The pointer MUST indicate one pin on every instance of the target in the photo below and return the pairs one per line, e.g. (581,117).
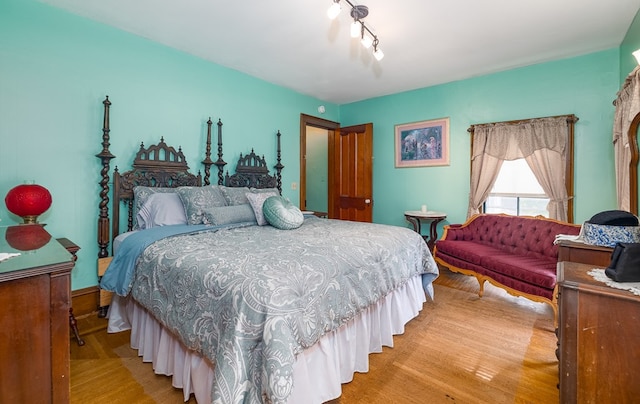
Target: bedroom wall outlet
(294,185)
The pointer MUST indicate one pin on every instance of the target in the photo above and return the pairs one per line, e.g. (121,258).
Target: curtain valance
(520,139)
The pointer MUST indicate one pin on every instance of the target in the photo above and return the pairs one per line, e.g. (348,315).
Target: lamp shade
(28,201)
(366,41)
(334,10)
(355,29)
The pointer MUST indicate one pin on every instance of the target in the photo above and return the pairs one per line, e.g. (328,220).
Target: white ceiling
(293,43)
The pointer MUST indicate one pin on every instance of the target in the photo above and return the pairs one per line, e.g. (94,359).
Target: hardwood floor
(460,349)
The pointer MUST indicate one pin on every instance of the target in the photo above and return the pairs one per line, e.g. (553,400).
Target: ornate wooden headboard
(155,166)
(251,172)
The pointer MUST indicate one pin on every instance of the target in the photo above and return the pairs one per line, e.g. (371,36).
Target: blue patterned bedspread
(250,298)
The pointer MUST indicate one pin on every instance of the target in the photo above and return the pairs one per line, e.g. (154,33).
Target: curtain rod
(570,118)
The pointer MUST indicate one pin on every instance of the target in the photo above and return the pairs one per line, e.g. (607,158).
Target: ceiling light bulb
(378,54)
(334,10)
(636,54)
(355,29)
(366,41)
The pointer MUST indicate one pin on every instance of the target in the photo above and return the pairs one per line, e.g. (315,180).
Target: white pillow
(256,201)
(141,194)
(161,209)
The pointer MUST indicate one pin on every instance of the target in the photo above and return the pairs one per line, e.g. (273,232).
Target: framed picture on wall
(422,144)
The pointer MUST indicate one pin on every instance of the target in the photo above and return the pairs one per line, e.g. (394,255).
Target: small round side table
(416,216)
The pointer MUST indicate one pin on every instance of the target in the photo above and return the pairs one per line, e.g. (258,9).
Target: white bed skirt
(318,372)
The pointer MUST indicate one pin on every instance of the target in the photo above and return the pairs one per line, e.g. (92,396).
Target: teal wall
(584,86)
(56,68)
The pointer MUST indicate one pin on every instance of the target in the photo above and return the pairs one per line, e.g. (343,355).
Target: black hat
(615,218)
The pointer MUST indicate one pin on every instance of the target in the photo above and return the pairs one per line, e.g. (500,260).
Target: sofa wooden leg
(481,283)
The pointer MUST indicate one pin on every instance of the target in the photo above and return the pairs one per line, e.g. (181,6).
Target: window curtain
(544,143)
(627,106)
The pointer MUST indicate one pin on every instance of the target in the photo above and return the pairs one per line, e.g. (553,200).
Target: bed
(249,302)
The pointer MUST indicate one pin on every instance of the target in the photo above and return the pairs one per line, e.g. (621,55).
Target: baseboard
(85,301)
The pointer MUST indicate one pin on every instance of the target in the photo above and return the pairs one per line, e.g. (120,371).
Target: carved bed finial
(220,163)
(279,165)
(207,162)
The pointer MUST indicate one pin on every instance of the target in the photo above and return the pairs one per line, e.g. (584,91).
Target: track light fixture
(358,27)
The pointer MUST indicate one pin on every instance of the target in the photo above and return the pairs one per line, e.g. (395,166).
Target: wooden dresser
(599,335)
(35,299)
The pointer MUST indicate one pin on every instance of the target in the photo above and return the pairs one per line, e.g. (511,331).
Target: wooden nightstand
(73,248)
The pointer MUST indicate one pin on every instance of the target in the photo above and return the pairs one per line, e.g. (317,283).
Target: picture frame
(422,144)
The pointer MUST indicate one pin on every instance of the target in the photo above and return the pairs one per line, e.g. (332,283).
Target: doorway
(314,163)
(344,165)
(317,169)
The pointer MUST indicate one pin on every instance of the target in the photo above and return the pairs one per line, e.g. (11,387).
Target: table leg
(417,227)
(433,233)
(74,326)
(415,222)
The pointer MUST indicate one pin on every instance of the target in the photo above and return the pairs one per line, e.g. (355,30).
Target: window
(547,143)
(517,192)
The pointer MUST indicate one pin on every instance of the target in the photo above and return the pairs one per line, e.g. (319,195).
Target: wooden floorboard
(460,349)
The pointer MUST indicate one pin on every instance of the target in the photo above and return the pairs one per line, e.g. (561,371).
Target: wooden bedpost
(207,155)
(104,238)
(279,165)
(220,163)
(105,157)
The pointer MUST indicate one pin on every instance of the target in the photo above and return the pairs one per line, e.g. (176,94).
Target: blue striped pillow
(281,213)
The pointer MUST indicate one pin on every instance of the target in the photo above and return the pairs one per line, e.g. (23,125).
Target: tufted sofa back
(520,235)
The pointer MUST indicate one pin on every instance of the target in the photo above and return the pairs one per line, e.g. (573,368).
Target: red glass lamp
(28,201)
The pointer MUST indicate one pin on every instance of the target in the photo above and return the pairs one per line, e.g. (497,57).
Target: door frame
(308,120)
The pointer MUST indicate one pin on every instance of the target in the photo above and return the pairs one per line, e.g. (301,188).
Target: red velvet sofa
(515,253)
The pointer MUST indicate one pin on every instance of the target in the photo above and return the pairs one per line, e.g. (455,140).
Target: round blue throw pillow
(281,213)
